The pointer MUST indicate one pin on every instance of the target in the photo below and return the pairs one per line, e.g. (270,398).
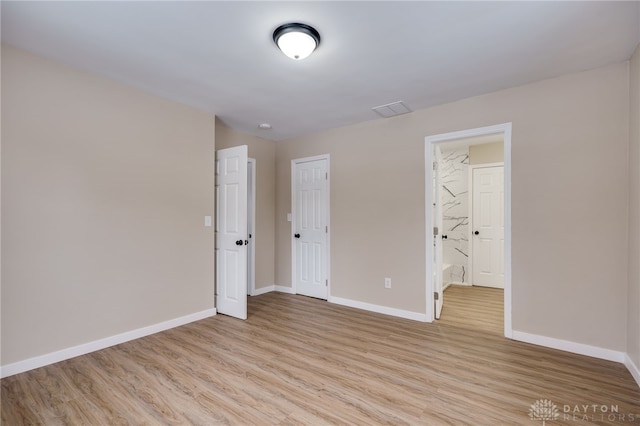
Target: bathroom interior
(458,160)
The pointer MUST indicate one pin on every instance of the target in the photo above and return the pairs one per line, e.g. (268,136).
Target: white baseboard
(458,283)
(85,348)
(416,316)
(355,304)
(283,289)
(565,345)
(633,369)
(263,290)
(270,288)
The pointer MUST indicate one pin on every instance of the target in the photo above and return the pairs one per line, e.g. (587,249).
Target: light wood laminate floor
(298,360)
(474,308)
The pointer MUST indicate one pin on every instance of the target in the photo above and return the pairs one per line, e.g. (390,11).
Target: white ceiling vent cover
(392,109)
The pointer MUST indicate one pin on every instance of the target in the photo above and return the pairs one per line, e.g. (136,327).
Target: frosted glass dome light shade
(297,41)
(296,45)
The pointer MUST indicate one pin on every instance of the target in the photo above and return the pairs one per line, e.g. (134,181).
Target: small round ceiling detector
(264,126)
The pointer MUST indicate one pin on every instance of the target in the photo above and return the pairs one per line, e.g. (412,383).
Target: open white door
(310,227)
(437,234)
(231,231)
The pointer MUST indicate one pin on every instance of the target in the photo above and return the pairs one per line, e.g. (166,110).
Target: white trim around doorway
(251,218)
(505,130)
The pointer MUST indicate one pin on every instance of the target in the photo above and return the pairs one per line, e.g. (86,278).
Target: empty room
(345,212)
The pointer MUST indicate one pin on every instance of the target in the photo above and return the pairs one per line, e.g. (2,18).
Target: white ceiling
(219,56)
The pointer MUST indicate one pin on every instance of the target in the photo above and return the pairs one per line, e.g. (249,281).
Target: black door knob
(444,237)
(239,242)
(297,235)
(246,242)
(477,232)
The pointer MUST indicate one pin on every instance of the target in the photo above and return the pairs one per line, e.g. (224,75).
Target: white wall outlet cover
(207,221)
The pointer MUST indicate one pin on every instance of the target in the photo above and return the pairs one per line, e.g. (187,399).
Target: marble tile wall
(454,175)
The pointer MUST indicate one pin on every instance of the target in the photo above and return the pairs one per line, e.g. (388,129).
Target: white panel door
(310,227)
(488,226)
(437,236)
(231,231)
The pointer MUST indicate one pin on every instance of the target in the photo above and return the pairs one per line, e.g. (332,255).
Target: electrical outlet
(387,283)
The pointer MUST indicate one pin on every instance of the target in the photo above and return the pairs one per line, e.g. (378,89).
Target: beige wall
(104,193)
(633,313)
(486,153)
(104,189)
(569,156)
(264,152)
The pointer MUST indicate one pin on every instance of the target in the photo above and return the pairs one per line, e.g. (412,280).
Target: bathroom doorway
(469,231)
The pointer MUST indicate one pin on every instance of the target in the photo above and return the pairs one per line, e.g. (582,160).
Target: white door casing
(251,226)
(487,228)
(231,231)
(310,223)
(437,237)
(505,130)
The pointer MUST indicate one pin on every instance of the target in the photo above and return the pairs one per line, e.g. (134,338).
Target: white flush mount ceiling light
(297,41)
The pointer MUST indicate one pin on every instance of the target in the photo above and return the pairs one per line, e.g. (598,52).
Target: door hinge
(436,231)
(326,175)
(436,296)
(326,282)
(326,229)
(435,165)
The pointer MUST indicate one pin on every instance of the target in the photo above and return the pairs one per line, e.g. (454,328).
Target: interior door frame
(295,162)
(505,130)
(438,221)
(251,219)
(472,167)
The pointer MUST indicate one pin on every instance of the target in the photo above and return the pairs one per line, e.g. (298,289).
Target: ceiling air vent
(392,109)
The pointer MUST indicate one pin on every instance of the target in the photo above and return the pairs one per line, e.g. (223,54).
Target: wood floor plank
(474,308)
(302,361)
